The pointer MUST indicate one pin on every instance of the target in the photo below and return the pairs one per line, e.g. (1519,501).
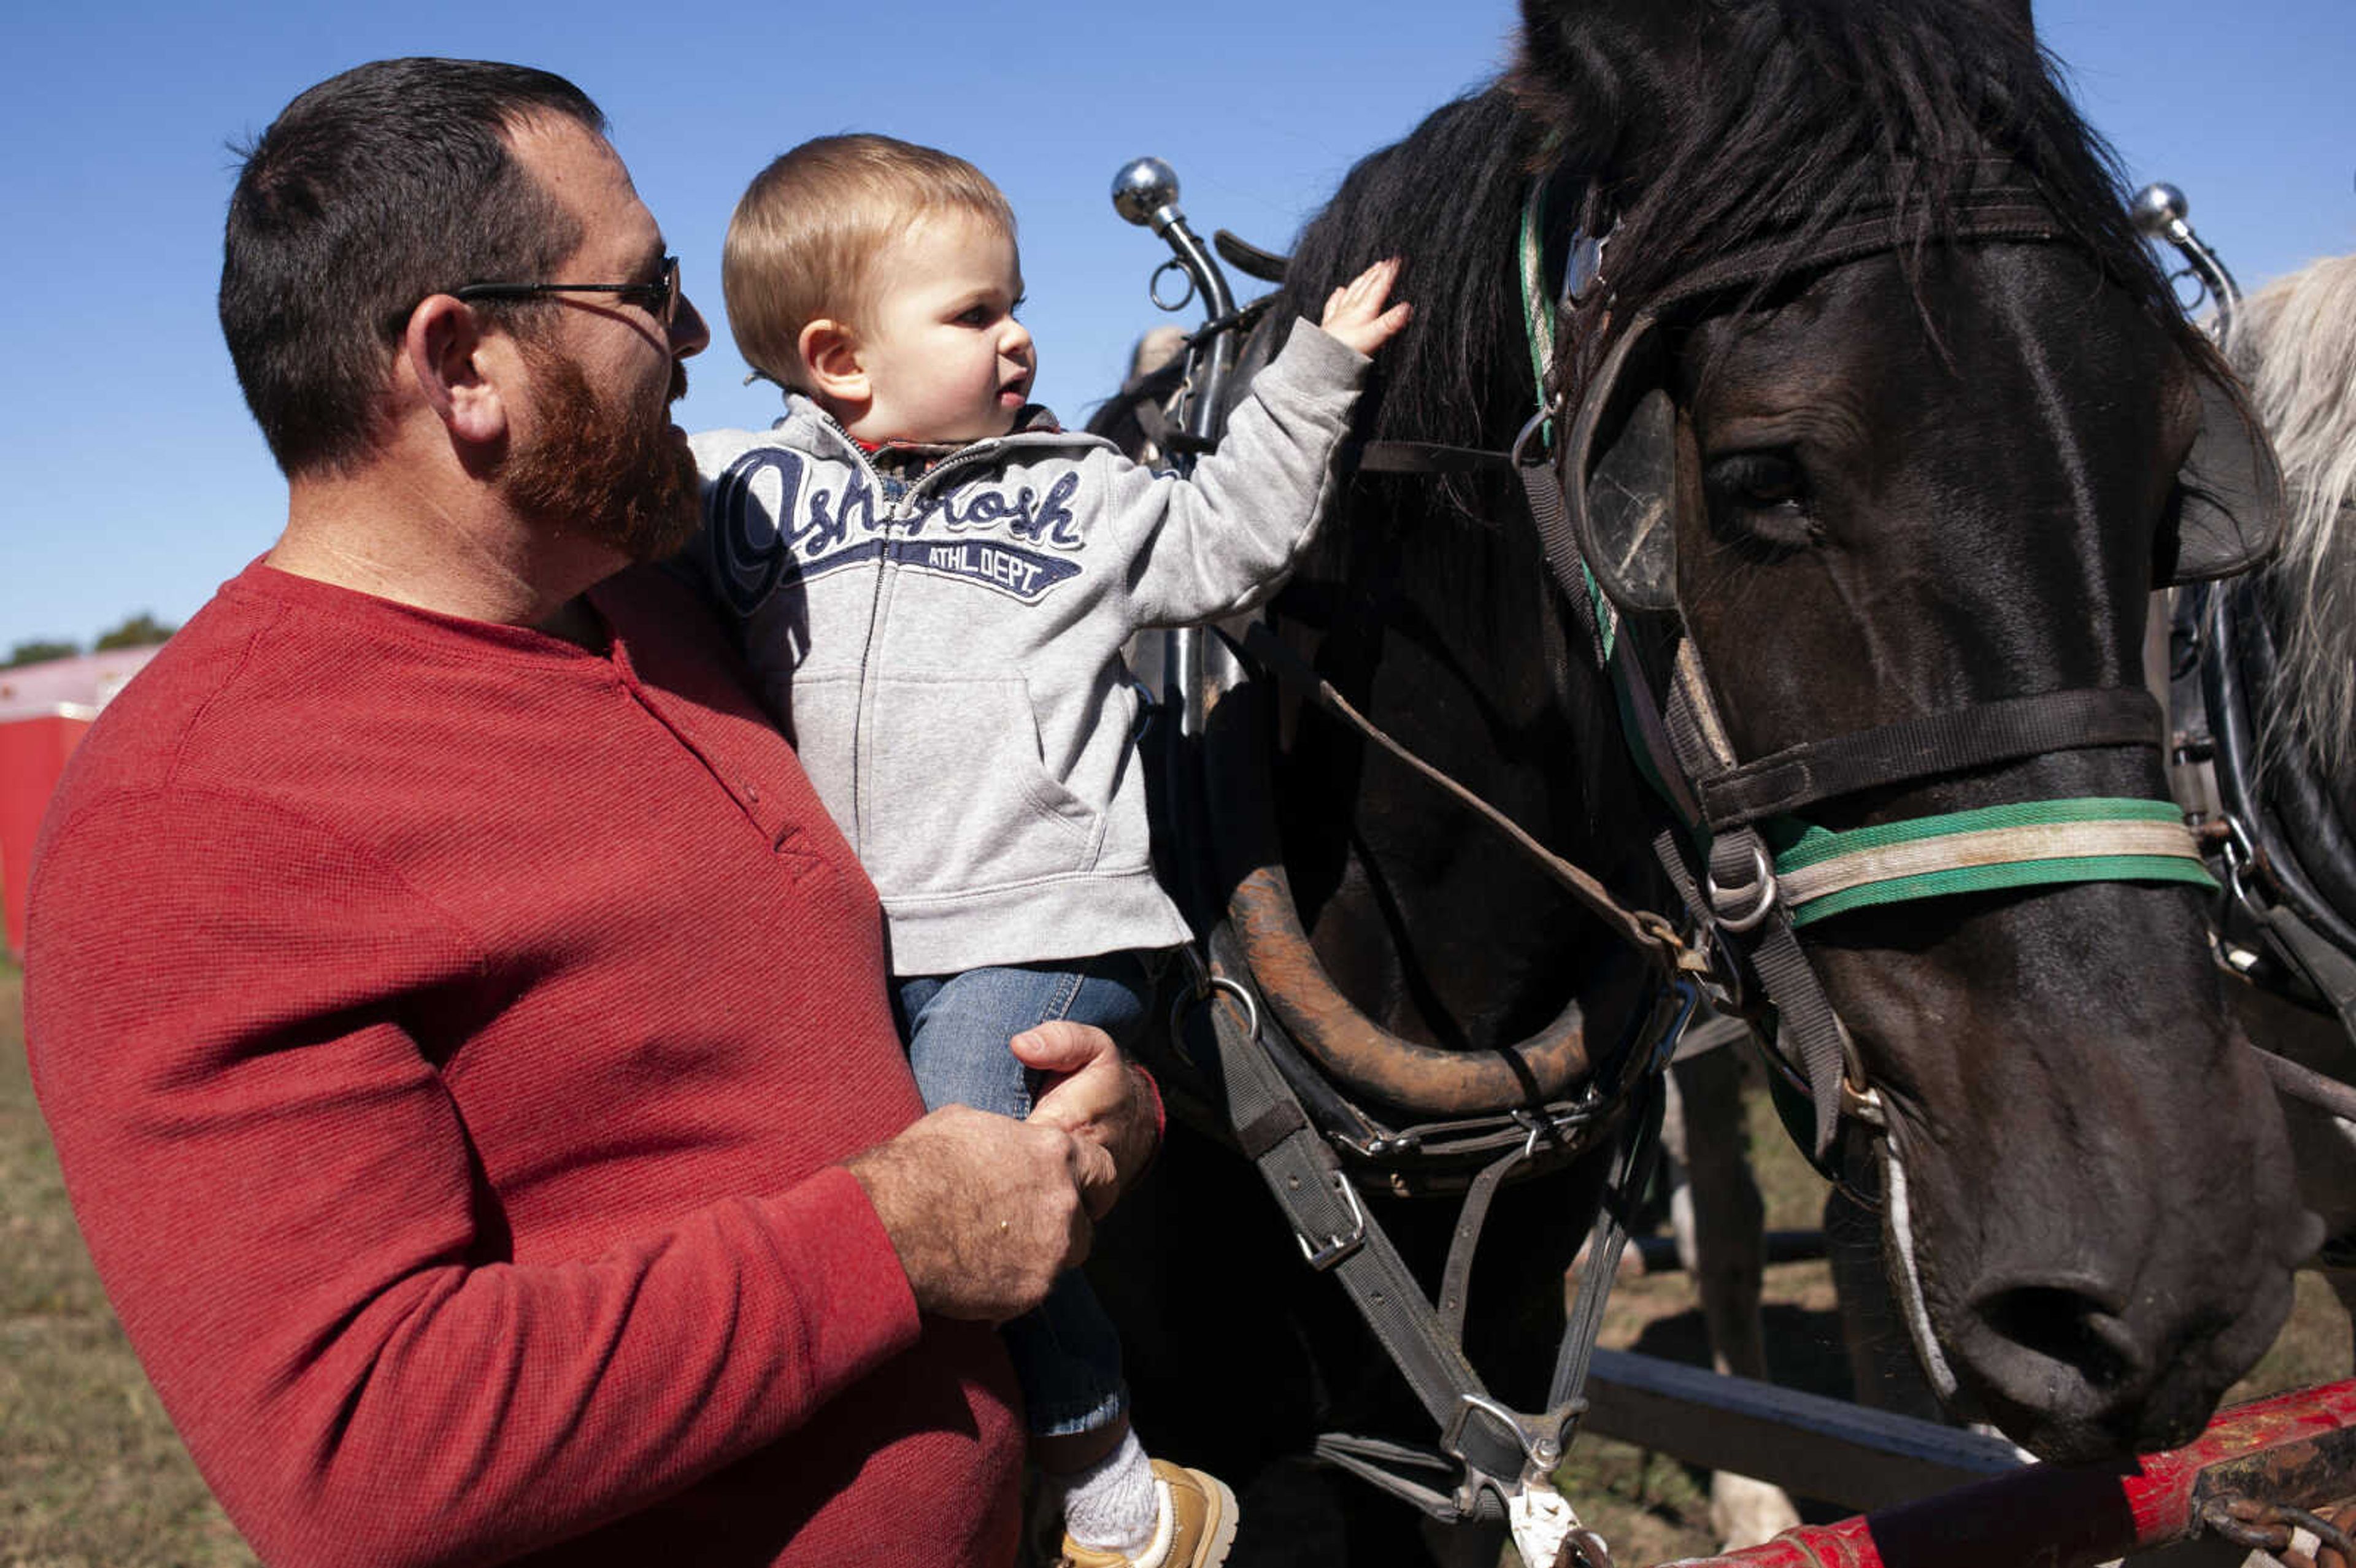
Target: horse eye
(1763,495)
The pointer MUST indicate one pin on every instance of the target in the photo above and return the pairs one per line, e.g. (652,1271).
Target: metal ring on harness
(1537,422)
(1242,994)
(1204,987)
(1863,1104)
(1153,285)
(1764,882)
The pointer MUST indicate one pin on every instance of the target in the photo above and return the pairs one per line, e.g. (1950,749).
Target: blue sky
(134,481)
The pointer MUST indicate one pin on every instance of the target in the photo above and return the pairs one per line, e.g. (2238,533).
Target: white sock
(1112,1506)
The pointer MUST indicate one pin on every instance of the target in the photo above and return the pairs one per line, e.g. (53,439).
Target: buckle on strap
(1509,1445)
(1323,1255)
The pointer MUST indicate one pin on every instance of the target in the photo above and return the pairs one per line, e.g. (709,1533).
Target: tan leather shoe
(1196,1530)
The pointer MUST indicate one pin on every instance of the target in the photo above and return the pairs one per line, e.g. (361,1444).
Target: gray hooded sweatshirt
(949,663)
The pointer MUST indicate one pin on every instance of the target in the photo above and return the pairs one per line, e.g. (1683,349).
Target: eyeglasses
(660,297)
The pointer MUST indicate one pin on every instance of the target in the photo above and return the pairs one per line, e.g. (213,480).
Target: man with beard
(463,1031)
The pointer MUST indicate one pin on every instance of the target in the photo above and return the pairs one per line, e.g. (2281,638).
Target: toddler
(933,581)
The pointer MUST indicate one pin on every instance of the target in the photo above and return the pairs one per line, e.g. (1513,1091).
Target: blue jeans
(1067,1354)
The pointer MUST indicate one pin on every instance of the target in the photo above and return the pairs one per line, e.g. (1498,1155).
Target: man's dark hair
(370,192)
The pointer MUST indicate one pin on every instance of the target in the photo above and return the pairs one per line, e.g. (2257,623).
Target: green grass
(92,1475)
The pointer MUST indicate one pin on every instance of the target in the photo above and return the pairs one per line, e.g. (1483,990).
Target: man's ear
(829,351)
(456,373)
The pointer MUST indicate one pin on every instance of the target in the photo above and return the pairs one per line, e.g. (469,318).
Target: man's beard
(596,474)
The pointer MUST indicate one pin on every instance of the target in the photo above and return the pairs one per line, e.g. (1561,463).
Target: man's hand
(1354,312)
(1104,1100)
(984,1210)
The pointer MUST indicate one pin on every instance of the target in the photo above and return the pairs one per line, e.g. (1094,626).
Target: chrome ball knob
(1142,189)
(2157,208)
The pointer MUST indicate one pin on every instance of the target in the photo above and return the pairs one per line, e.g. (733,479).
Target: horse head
(1898,462)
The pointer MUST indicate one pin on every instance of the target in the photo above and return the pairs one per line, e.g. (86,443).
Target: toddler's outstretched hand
(1354,312)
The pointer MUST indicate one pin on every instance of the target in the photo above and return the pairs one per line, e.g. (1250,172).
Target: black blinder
(1622,473)
(2226,514)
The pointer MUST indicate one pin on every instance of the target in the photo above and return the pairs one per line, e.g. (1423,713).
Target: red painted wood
(2067,1517)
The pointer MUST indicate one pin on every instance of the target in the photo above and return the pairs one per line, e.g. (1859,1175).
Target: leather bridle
(1749,869)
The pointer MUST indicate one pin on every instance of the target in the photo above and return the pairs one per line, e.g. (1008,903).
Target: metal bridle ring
(1765,882)
(1537,422)
(1153,285)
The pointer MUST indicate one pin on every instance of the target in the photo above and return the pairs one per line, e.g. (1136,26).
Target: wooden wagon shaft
(2298,1449)
(1813,1446)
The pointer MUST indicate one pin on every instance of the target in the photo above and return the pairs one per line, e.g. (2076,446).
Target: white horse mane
(2295,343)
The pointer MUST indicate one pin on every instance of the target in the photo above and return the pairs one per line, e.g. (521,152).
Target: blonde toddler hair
(804,235)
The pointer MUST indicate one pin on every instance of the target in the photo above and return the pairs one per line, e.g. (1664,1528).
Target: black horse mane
(1446,199)
(1706,126)
(1708,132)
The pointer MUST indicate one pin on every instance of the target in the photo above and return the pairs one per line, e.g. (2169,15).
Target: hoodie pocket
(956,796)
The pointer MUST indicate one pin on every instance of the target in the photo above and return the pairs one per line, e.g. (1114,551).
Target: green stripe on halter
(1821,873)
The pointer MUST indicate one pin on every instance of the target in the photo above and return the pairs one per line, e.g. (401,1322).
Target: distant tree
(140,631)
(39,650)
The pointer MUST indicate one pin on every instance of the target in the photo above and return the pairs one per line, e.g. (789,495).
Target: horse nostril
(2068,1327)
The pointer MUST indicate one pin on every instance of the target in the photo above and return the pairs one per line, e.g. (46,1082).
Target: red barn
(44,708)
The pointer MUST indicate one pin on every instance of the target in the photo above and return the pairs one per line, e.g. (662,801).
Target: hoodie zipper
(897,514)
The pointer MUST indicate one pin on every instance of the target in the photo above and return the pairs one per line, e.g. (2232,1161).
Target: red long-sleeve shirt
(449,1035)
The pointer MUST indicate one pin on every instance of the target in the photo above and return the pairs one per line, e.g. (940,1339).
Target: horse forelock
(2294,341)
(1733,115)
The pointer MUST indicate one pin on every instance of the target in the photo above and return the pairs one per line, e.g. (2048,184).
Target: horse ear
(2226,516)
(1623,474)
(1599,76)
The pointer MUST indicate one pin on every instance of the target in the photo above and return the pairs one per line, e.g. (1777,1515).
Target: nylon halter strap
(1767,869)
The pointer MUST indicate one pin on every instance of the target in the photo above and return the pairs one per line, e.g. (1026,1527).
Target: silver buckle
(1334,1249)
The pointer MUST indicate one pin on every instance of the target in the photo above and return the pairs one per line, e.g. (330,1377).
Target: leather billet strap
(1327,1216)
(1741,877)
(1337,1236)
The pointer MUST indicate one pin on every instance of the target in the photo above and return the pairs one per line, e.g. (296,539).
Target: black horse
(1911,466)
